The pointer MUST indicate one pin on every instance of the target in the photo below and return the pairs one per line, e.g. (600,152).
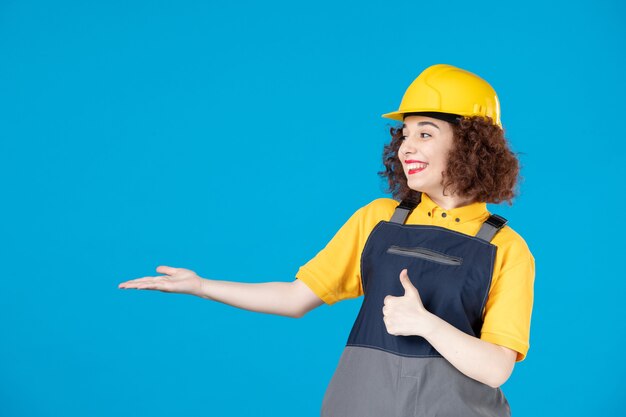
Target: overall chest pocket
(427,254)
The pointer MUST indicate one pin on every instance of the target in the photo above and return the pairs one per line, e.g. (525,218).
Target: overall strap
(405,208)
(490,227)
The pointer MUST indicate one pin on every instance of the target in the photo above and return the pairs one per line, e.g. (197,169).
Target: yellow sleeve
(509,306)
(334,274)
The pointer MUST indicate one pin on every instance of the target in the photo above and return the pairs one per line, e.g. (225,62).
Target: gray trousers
(369,382)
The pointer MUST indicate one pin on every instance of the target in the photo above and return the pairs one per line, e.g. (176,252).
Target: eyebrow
(428,123)
(422,124)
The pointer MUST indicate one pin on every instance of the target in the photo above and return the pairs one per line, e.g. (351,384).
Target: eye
(428,135)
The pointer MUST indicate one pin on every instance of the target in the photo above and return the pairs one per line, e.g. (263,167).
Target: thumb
(409,288)
(166,270)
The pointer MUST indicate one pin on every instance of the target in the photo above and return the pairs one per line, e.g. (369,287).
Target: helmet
(444,88)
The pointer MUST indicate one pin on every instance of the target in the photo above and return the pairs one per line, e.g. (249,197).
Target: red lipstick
(413,161)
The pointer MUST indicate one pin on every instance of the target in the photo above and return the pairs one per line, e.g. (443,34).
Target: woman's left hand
(406,315)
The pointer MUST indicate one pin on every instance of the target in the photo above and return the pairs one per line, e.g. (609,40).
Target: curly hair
(480,164)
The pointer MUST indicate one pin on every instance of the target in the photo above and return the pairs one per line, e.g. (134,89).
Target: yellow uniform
(334,273)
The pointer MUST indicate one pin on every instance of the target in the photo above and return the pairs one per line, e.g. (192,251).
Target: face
(424,153)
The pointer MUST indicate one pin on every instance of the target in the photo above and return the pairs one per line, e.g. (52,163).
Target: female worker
(448,287)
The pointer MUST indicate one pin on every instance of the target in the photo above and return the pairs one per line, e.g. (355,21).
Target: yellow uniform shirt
(334,273)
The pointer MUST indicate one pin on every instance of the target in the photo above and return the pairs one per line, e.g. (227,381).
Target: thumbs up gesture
(406,315)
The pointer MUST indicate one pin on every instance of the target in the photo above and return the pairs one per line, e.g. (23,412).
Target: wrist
(204,290)
(431,325)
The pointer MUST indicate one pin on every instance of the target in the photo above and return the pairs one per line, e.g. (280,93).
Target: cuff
(520,347)
(328,296)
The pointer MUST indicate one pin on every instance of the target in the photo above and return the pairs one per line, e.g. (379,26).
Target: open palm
(179,280)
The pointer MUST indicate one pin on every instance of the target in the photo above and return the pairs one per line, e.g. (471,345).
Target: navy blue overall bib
(383,375)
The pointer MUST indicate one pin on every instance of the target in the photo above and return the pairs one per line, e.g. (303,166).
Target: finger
(387,325)
(136,283)
(151,286)
(388,299)
(166,270)
(406,282)
(129,285)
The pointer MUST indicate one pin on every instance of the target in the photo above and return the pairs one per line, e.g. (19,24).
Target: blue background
(234,140)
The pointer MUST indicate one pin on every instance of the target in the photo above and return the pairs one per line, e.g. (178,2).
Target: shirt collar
(473,211)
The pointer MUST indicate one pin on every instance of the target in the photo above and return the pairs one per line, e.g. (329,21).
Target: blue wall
(234,140)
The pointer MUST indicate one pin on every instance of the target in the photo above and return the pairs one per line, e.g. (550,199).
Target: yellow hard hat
(444,88)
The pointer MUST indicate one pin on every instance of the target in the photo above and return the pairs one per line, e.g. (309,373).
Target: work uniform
(470,270)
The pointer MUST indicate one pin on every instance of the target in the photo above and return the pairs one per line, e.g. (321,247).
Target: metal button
(457,220)
(443,214)
(429,214)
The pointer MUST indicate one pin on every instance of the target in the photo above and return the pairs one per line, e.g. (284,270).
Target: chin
(416,186)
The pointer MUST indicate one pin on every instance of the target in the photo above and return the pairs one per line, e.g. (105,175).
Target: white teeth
(416,166)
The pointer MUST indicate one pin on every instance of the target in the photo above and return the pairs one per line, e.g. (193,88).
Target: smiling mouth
(415,167)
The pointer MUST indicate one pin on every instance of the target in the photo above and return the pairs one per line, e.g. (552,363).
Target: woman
(447,286)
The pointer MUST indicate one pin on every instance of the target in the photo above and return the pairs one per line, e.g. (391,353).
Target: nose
(406,147)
